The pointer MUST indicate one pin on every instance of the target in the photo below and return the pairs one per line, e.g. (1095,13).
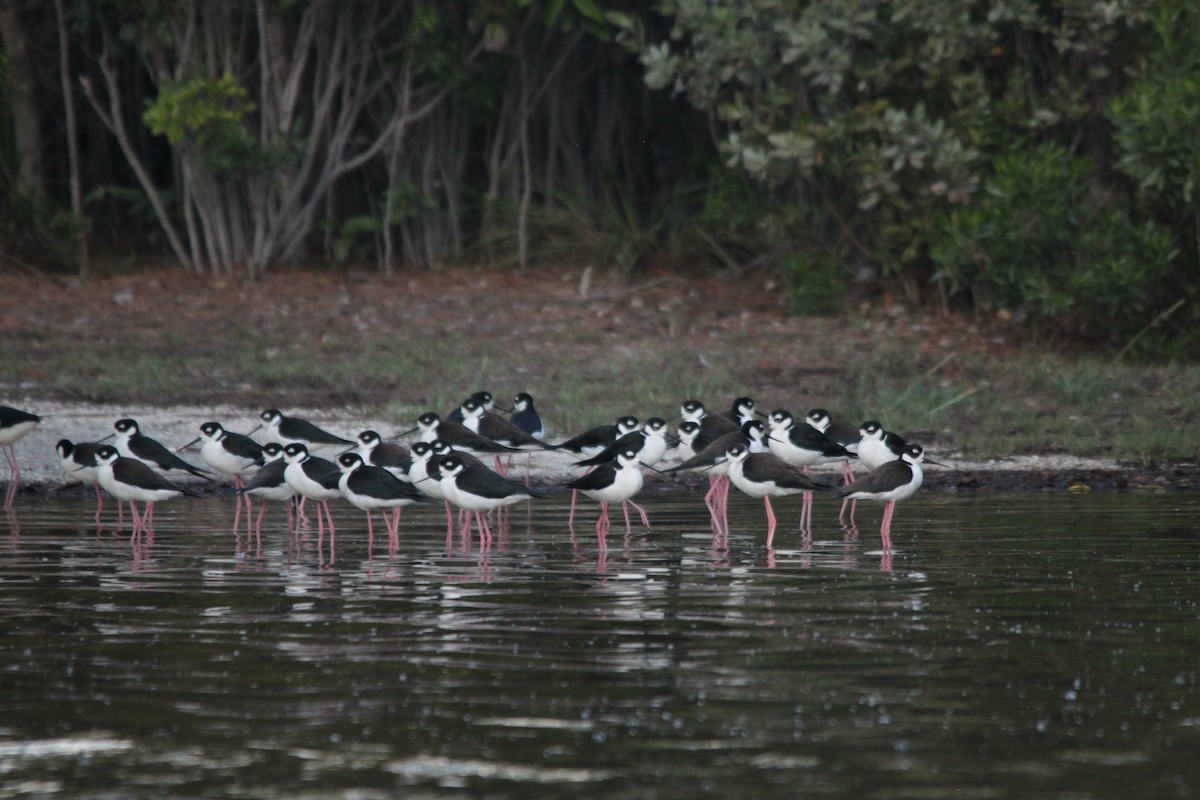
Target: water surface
(1021,646)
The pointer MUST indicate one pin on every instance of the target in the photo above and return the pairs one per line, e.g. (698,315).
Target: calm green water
(1022,646)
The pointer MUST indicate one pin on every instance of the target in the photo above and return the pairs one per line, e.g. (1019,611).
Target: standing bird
(456,434)
(375,452)
(894,481)
(15,424)
(368,487)
(650,443)
(287,430)
(614,481)
(713,461)
(848,436)
(313,478)
(424,456)
(526,417)
(132,443)
(713,425)
(877,447)
(593,440)
(269,483)
(741,411)
(78,462)
(135,481)
(482,397)
(802,445)
(839,430)
(233,454)
(766,475)
(478,489)
(500,430)
(686,435)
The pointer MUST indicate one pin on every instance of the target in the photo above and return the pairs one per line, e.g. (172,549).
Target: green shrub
(1036,240)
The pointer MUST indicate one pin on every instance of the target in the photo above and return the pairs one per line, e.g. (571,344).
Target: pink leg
(370,535)
(14,474)
(847,503)
(770,521)
(99,502)
(137,520)
(642,511)
(625,508)
(148,516)
(710,497)
(329,517)
(571,516)
(724,504)
(485,530)
(602,527)
(237,514)
(394,533)
(885,530)
(262,509)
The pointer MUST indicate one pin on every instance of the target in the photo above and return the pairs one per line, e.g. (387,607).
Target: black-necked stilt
(800,444)
(15,424)
(615,481)
(766,475)
(877,447)
(457,435)
(392,456)
(650,443)
(78,462)
(133,480)
(844,433)
(499,429)
(482,397)
(421,472)
(313,478)
(741,411)
(686,435)
(478,489)
(232,454)
(712,460)
(593,440)
(526,417)
(894,481)
(287,430)
(713,425)
(269,483)
(368,487)
(132,443)
(228,452)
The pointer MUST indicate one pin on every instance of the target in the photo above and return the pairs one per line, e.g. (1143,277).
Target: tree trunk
(82,255)
(26,111)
